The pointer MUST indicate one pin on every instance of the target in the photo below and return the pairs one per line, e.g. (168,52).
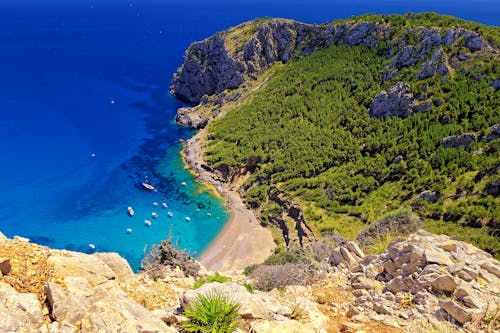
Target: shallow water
(84,77)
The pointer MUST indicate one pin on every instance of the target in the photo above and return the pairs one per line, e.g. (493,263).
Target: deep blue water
(84,77)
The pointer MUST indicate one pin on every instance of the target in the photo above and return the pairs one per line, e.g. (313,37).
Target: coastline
(243,241)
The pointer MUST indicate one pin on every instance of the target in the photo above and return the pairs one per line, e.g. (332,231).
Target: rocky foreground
(423,283)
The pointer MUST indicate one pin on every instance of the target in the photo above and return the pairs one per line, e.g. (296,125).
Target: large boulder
(19,312)
(494,132)
(397,101)
(455,141)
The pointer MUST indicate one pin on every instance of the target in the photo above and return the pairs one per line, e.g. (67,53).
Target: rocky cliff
(241,54)
(422,283)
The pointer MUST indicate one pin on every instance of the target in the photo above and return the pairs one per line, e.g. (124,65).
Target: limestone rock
(458,313)
(455,141)
(436,65)
(3,237)
(63,307)
(19,312)
(444,283)
(118,265)
(398,101)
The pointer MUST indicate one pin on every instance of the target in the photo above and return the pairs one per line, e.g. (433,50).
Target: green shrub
(212,313)
(212,278)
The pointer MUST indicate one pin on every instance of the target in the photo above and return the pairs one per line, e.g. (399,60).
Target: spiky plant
(212,313)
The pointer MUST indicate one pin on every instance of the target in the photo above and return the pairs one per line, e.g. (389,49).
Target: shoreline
(242,241)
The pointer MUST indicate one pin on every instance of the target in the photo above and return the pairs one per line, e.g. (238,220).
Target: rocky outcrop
(429,195)
(455,141)
(216,64)
(429,277)
(397,101)
(436,65)
(494,132)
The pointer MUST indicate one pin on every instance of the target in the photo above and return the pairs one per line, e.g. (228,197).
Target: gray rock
(398,159)
(436,65)
(354,248)
(444,283)
(118,265)
(494,132)
(5,266)
(492,266)
(397,285)
(398,101)
(457,312)
(429,195)
(455,141)
(495,84)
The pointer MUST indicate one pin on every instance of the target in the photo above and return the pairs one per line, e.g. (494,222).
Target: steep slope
(365,117)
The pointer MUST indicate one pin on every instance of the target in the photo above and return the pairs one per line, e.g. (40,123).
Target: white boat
(154,214)
(92,246)
(129,230)
(170,214)
(188,218)
(148,186)
(147,223)
(164,205)
(209,214)
(155,203)
(130,211)
(184,184)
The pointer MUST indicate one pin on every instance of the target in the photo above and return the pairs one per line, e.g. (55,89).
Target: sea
(86,115)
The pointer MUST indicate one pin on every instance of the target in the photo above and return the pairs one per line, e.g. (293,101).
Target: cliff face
(216,63)
(227,59)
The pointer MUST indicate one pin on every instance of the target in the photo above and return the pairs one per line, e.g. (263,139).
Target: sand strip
(243,241)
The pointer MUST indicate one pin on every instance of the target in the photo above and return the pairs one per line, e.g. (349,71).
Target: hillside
(325,129)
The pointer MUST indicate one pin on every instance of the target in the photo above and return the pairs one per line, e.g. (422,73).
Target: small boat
(129,230)
(148,186)
(155,203)
(184,184)
(147,223)
(130,211)
(112,101)
(170,214)
(92,155)
(92,246)
(154,214)
(209,214)
(164,205)
(188,218)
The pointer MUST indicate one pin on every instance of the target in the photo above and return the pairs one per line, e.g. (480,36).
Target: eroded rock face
(398,101)
(455,141)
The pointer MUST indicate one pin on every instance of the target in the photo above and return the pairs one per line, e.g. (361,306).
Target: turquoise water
(85,77)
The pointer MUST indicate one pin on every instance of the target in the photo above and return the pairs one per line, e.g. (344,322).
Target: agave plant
(212,313)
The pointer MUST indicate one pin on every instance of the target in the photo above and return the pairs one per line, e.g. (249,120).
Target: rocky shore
(423,283)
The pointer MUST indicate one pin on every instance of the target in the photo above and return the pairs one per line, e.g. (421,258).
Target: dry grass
(30,269)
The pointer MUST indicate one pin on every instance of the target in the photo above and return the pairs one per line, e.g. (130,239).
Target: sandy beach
(243,241)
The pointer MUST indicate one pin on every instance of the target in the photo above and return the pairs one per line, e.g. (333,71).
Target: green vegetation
(209,279)
(212,313)
(307,134)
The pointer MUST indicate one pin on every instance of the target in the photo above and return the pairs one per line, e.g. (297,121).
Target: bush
(166,254)
(212,313)
(268,277)
(212,278)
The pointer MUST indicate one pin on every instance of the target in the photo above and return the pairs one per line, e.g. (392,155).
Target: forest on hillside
(308,134)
